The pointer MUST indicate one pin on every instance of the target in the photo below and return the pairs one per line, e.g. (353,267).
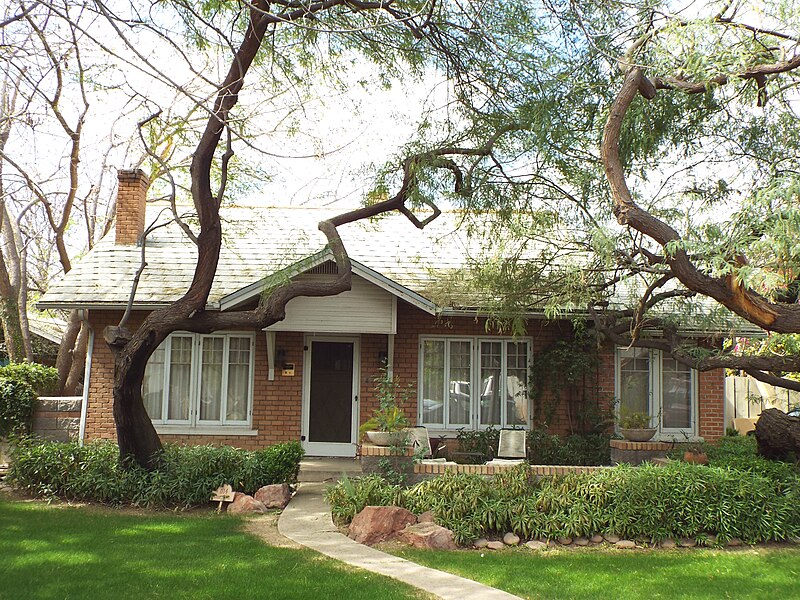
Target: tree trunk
(12,331)
(778,435)
(66,349)
(136,435)
(78,364)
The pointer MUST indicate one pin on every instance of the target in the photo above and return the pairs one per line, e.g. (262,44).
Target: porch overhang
(254,290)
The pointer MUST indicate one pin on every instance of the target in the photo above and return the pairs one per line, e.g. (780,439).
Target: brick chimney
(131,195)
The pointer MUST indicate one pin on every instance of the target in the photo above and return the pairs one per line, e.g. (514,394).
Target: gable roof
(263,246)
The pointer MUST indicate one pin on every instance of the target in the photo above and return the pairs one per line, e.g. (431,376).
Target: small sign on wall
(288,370)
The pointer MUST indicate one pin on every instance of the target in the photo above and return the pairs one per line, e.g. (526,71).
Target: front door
(330,398)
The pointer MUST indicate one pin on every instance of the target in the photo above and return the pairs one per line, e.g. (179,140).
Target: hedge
(186,476)
(647,502)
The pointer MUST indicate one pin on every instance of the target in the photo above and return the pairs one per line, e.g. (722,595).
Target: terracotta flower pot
(697,458)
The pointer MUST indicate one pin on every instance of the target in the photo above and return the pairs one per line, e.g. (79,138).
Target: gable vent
(326,268)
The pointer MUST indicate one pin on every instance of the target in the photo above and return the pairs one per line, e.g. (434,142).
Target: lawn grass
(49,552)
(697,574)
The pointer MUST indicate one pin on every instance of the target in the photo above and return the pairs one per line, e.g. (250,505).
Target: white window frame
(656,400)
(474,382)
(194,424)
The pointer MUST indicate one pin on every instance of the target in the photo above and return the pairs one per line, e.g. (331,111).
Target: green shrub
(590,449)
(43,379)
(17,402)
(481,443)
(186,476)
(653,503)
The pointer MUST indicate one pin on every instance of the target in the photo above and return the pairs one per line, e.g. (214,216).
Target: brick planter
(635,453)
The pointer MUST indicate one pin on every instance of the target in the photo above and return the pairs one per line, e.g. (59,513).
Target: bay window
(473,382)
(651,382)
(199,380)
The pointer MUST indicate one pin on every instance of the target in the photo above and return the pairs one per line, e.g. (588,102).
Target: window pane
(433,382)
(516,383)
(238,378)
(180,373)
(491,363)
(153,385)
(211,379)
(460,371)
(634,380)
(676,394)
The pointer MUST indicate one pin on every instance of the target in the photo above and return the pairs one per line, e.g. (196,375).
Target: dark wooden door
(330,415)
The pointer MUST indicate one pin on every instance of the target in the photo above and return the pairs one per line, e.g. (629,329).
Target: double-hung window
(473,382)
(653,383)
(199,380)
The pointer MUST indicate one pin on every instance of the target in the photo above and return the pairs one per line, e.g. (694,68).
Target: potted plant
(636,426)
(388,423)
(694,452)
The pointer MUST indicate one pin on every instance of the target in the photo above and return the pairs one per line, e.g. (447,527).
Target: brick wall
(277,404)
(132,188)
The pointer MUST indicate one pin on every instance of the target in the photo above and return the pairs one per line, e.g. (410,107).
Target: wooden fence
(747,397)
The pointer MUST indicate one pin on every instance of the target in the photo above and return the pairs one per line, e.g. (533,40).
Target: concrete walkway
(307,521)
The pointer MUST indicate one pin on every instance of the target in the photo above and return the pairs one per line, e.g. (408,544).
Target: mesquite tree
(396,35)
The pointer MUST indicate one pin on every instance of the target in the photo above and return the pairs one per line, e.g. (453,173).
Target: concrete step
(328,470)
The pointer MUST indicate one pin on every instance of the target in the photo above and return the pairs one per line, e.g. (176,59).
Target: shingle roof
(261,241)
(256,243)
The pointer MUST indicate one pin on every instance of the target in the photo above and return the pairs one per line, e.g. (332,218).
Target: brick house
(311,376)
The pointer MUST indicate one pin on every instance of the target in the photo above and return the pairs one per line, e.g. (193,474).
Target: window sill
(204,430)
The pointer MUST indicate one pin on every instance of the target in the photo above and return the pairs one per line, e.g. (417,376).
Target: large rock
(426,517)
(379,523)
(511,539)
(244,505)
(276,495)
(428,536)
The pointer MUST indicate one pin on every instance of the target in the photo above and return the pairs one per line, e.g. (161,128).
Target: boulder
(426,517)
(536,545)
(428,536)
(274,496)
(379,523)
(596,539)
(481,543)
(244,505)
(625,544)
(581,541)
(495,545)
(611,538)
(564,541)
(688,542)
(668,543)
(511,539)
